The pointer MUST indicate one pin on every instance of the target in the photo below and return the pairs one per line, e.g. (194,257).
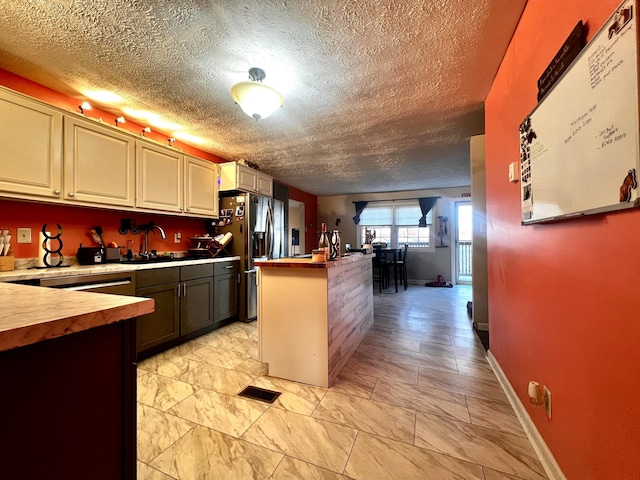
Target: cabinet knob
(71,194)
(56,192)
(188,209)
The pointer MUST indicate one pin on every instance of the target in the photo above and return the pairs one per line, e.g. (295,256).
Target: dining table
(390,255)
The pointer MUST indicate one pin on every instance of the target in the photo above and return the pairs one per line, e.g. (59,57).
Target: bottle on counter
(323,243)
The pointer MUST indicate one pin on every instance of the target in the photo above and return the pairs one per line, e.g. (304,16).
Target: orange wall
(76,221)
(564,298)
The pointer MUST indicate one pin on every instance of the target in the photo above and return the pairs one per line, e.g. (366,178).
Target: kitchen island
(313,315)
(68,376)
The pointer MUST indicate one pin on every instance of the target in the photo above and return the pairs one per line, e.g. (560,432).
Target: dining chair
(379,271)
(401,264)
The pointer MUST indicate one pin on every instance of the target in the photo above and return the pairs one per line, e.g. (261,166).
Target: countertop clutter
(306,262)
(24,275)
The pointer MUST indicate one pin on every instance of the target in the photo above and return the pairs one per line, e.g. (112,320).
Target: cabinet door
(201,187)
(196,305)
(160,178)
(98,163)
(31,139)
(247,179)
(226,304)
(265,184)
(163,324)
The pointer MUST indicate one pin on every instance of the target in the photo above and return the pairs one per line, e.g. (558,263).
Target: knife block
(6,263)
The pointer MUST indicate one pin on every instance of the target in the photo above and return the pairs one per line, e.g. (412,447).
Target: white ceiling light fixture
(256,99)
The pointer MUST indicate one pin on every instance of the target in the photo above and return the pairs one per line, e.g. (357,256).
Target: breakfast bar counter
(32,314)
(312,315)
(68,376)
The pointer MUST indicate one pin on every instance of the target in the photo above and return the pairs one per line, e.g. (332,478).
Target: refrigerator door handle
(269,232)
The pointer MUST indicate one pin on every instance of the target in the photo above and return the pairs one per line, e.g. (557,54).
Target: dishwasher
(114,283)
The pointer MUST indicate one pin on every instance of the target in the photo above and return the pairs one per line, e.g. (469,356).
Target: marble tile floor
(418,400)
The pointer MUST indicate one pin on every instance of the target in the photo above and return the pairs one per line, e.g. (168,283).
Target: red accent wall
(310,214)
(77,221)
(564,298)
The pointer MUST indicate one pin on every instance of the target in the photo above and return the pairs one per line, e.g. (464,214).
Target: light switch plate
(24,235)
(513,172)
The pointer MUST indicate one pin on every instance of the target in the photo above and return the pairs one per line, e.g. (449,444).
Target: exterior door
(463,237)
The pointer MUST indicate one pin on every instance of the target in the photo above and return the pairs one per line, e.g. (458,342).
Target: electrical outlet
(24,235)
(546,395)
(177,237)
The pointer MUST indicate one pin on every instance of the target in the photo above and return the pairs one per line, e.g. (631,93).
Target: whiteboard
(579,151)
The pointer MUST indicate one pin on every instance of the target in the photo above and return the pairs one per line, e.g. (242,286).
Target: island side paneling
(350,305)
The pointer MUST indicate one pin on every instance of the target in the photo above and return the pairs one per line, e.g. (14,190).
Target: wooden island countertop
(313,315)
(68,373)
(32,314)
(306,262)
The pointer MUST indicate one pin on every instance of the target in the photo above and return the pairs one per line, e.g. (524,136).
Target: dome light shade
(255,99)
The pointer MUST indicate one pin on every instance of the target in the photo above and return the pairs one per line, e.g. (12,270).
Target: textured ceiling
(380,95)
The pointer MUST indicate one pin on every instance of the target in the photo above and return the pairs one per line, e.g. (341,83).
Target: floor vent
(261,394)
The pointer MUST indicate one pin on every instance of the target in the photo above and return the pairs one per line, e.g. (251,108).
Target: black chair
(380,270)
(401,264)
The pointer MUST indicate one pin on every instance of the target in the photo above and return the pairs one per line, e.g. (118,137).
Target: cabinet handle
(228,267)
(56,192)
(178,290)
(188,209)
(71,194)
(184,289)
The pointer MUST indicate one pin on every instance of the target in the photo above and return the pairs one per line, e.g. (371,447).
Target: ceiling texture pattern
(379,95)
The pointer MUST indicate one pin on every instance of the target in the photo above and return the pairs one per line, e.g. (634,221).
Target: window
(396,224)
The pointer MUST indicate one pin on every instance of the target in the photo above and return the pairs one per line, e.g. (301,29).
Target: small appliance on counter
(100,253)
(89,255)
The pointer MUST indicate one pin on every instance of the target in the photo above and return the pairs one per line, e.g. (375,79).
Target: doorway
(463,239)
(296,228)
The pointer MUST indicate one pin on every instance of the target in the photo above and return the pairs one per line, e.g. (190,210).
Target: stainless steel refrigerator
(256,236)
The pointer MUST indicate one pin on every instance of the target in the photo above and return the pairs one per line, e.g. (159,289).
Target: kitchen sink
(161,259)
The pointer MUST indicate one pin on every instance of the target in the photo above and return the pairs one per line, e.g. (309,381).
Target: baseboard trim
(545,456)
(481,326)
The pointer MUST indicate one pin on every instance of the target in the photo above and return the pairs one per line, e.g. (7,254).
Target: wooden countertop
(308,263)
(32,314)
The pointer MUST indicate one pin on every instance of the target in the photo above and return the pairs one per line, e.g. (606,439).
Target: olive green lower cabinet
(190,301)
(226,276)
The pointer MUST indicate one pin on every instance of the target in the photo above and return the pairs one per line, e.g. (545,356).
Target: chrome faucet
(146,230)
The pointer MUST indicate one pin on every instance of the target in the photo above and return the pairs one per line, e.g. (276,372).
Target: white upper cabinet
(31,139)
(99,163)
(265,184)
(160,177)
(53,156)
(201,187)
(240,177)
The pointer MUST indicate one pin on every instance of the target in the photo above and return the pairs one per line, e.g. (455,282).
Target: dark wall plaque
(565,56)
